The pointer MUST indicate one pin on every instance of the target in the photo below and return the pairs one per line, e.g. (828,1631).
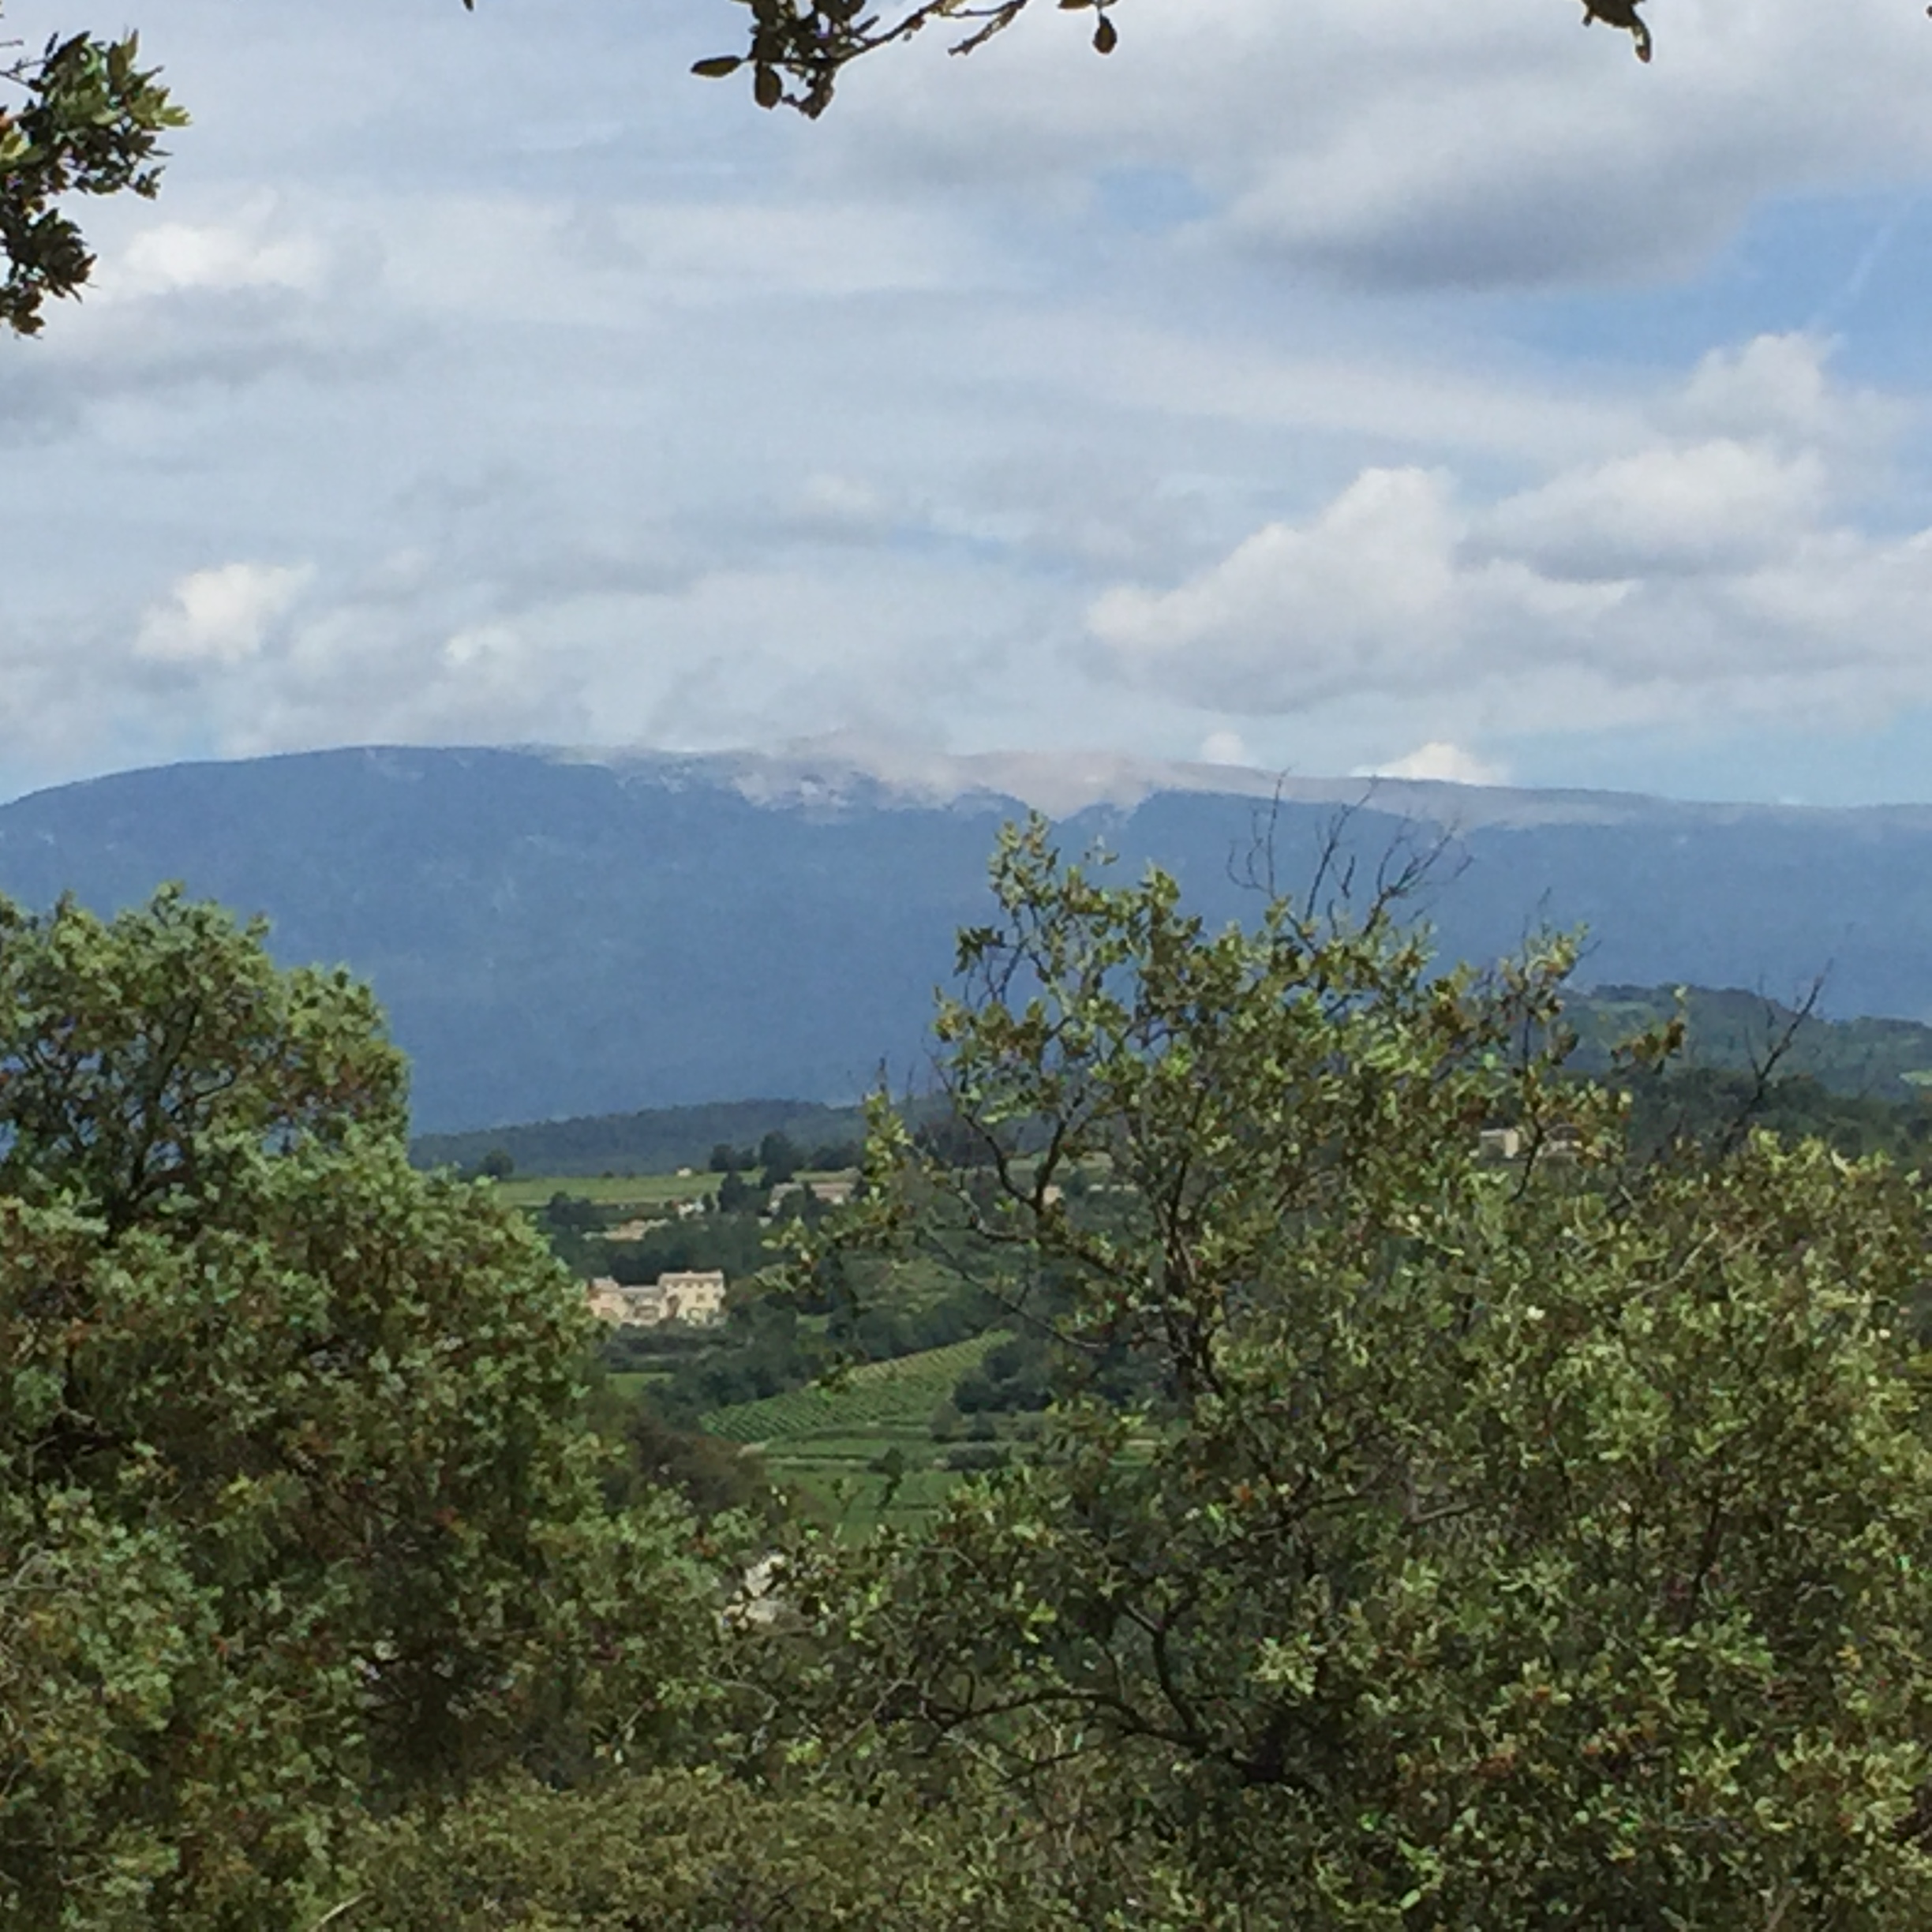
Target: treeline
(1728,1031)
(1709,1106)
(654,1140)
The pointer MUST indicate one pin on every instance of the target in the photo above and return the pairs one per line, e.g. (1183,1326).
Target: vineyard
(875,1397)
(827,1442)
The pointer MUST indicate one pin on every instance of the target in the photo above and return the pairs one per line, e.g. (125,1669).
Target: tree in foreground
(1419,1541)
(298,1522)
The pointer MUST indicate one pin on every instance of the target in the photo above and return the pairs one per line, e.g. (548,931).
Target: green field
(824,1440)
(630,1383)
(643,1191)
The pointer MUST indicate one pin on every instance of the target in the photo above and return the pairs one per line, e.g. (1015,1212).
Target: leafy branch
(82,118)
(799,48)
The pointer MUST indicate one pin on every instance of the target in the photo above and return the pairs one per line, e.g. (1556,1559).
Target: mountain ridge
(556,933)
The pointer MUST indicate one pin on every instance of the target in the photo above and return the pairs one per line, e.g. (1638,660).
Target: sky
(1328,386)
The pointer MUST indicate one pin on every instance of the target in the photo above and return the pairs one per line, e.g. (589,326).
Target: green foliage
(734,1241)
(860,1450)
(1501,1546)
(737,1196)
(573,1227)
(696,1851)
(1017,1374)
(1730,1030)
(764,1350)
(1711,1108)
(297,1514)
(85,118)
(780,1157)
(770,1344)
(714,1477)
(1409,1541)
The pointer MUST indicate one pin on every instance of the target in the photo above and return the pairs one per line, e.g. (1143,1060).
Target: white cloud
(1706,575)
(837,507)
(1494,145)
(1439,759)
(1694,507)
(1361,592)
(220,616)
(1029,399)
(1781,388)
(246,253)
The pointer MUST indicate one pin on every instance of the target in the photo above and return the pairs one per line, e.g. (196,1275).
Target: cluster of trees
(732,1240)
(1015,1375)
(884,1326)
(299,1521)
(764,1349)
(1503,1546)
(776,1160)
(654,1140)
(1711,1105)
(1410,1541)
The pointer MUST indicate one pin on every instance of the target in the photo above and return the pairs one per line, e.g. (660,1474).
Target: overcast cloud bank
(1304,387)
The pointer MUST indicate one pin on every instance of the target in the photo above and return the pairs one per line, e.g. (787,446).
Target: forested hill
(650,1140)
(1735,1032)
(1729,1032)
(555,937)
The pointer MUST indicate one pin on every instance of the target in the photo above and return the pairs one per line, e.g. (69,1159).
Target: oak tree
(298,1516)
(1421,1536)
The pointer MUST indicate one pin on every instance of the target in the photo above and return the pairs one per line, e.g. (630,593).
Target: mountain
(560,935)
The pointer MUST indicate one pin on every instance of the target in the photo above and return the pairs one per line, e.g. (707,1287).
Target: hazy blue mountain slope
(555,937)
(549,938)
(1765,900)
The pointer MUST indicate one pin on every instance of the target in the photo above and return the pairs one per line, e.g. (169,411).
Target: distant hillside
(657,1140)
(558,937)
(1729,1030)
(1889,1060)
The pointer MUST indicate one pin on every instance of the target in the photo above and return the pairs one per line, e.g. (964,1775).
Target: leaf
(768,90)
(717,66)
(1106,36)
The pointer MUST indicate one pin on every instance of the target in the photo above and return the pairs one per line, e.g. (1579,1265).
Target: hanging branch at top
(797,54)
(83,117)
(799,48)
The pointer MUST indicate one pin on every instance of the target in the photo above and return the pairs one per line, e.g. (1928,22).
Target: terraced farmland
(825,1440)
